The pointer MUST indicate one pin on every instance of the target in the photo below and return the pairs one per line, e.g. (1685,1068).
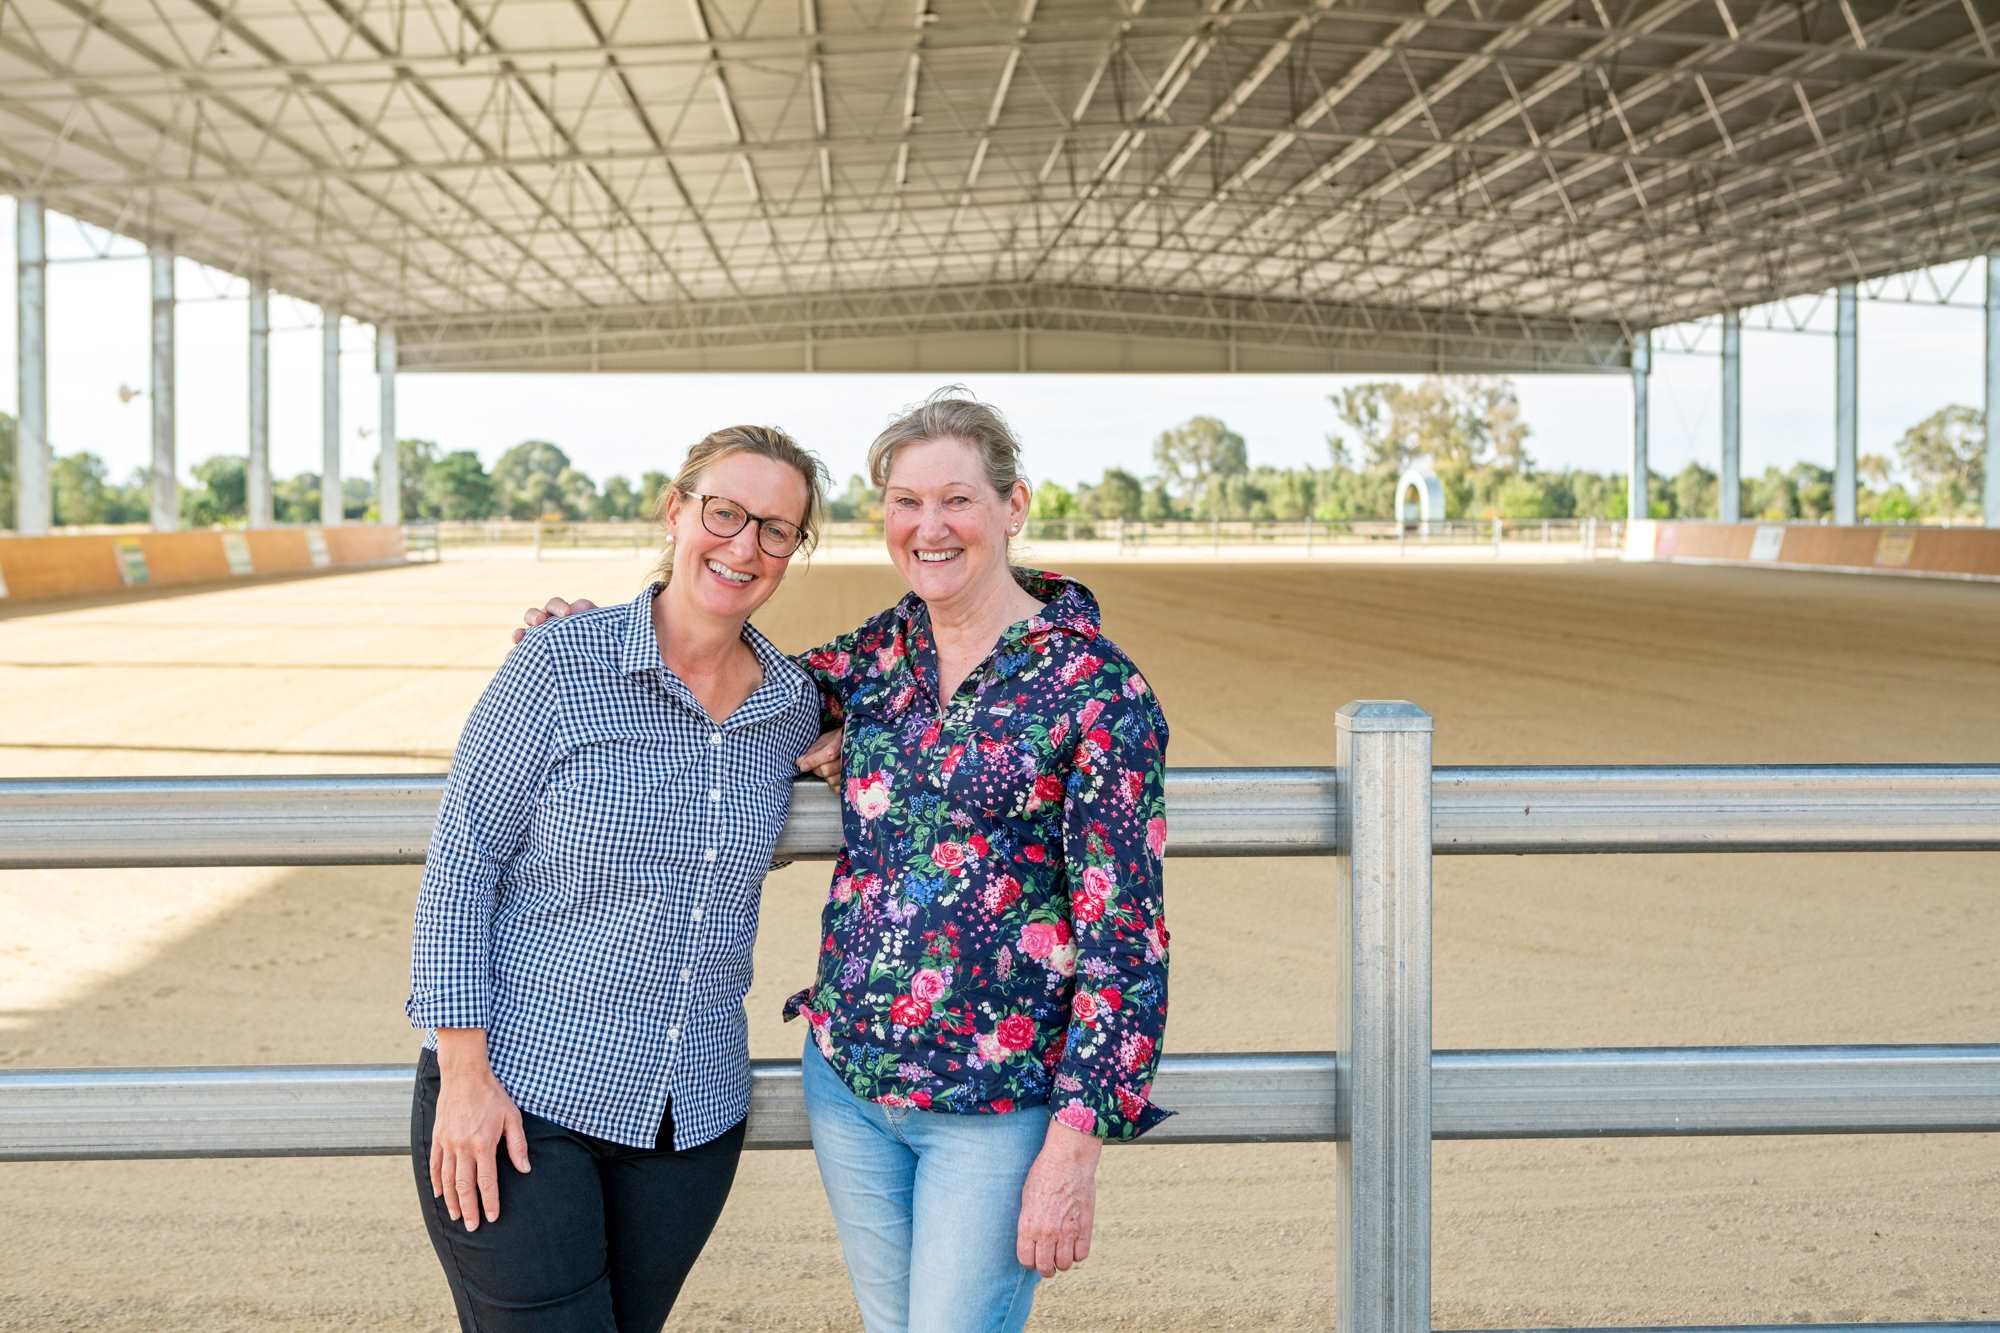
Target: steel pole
(166,479)
(389,473)
(1993,389)
(1847,400)
(1729,505)
(33,498)
(259,476)
(329,418)
(1636,504)
(1382,1034)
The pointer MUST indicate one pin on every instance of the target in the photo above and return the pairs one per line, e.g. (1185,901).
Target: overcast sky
(1914,359)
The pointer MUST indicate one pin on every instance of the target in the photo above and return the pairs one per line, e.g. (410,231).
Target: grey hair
(952,413)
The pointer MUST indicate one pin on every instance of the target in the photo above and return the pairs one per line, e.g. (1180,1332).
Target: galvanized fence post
(1383,1032)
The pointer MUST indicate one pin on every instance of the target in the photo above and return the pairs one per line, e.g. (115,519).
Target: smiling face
(945,526)
(731,577)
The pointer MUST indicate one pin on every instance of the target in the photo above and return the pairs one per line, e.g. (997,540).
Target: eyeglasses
(778,537)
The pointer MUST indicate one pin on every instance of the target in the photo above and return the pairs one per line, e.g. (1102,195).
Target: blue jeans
(927,1204)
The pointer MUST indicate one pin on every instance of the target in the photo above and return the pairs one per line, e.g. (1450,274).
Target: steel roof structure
(1017,184)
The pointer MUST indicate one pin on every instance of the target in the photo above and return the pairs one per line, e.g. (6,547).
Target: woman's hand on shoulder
(554,609)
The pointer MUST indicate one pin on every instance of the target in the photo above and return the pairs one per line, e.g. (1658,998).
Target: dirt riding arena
(1551,663)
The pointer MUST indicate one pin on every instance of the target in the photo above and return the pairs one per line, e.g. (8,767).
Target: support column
(1642,372)
(1847,404)
(166,478)
(329,418)
(389,503)
(1730,504)
(1382,1035)
(259,476)
(33,500)
(1993,389)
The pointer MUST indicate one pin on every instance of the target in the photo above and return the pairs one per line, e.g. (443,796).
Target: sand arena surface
(1550,664)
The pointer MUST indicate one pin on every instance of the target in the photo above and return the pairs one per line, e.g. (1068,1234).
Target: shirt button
(715,793)
(696,914)
(715,738)
(673,1034)
(708,855)
(687,974)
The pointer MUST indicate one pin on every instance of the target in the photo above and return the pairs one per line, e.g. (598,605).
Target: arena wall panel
(1964,553)
(96,564)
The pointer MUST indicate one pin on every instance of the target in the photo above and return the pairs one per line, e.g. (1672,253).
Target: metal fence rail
(1381,812)
(364,1110)
(78,823)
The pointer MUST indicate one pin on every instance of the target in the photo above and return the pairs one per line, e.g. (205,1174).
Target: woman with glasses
(991,988)
(583,934)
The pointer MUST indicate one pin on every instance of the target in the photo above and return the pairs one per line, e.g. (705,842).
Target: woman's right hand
(556,607)
(474,1113)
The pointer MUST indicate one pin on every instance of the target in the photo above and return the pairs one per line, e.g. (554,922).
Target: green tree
(576,493)
(1194,456)
(296,499)
(218,496)
(81,492)
(1522,496)
(528,480)
(1812,485)
(653,488)
(1118,495)
(1053,500)
(357,498)
(456,487)
(859,502)
(1945,456)
(1772,497)
(414,460)
(7,429)
(1696,492)
(617,501)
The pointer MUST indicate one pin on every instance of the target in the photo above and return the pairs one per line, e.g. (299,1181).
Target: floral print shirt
(994,936)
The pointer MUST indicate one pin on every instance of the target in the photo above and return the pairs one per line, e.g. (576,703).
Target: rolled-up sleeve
(1114,832)
(489,797)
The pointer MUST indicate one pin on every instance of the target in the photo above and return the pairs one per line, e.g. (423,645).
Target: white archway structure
(1430,497)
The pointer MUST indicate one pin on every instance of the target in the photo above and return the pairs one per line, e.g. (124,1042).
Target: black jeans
(596,1238)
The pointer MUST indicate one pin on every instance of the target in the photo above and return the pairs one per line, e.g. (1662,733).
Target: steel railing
(1381,812)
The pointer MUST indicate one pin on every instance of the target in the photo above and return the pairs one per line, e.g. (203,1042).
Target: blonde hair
(764,441)
(952,413)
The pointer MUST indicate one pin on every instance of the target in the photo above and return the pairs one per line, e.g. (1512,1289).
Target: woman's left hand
(1059,1202)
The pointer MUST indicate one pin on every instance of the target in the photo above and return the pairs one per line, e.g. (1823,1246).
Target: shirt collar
(1068,607)
(641,649)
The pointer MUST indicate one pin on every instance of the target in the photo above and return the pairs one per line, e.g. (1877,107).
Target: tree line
(1468,428)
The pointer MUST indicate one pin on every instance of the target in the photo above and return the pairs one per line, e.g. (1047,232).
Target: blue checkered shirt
(591,891)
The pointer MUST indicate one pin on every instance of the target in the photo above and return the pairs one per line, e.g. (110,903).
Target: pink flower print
(927,985)
(869,795)
(834,664)
(1090,712)
(1135,685)
(1077,668)
(1156,835)
(1041,938)
(1100,881)
(990,1048)
(950,856)
(1078,1117)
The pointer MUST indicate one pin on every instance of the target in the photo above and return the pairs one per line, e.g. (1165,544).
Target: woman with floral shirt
(992,981)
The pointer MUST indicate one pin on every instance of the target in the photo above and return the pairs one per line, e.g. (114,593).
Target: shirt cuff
(446,1009)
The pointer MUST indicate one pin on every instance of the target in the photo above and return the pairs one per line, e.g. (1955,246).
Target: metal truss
(1511,182)
(1013,327)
